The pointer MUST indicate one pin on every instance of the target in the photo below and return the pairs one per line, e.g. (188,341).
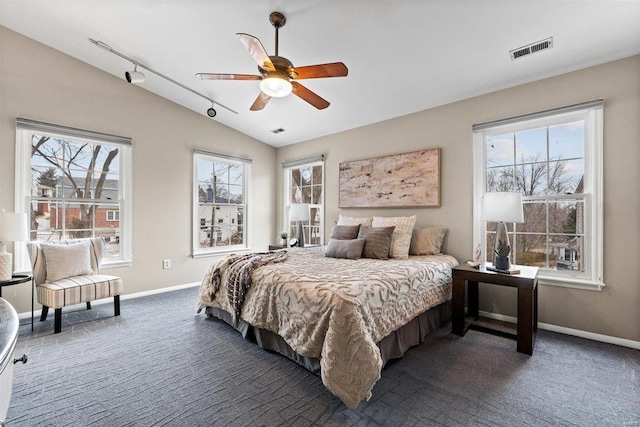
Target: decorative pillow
(355,220)
(401,238)
(350,249)
(66,260)
(345,232)
(427,240)
(377,241)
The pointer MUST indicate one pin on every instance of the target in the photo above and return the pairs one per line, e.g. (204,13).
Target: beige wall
(616,310)
(40,83)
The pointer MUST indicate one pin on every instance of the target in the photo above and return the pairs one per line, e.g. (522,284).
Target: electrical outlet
(166,263)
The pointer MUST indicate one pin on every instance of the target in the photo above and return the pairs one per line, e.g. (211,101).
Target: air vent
(277,131)
(531,48)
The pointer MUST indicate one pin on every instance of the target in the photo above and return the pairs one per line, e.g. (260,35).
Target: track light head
(211,112)
(134,76)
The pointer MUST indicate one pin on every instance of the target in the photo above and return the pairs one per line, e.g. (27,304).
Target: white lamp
(276,86)
(502,207)
(13,228)
(299,212)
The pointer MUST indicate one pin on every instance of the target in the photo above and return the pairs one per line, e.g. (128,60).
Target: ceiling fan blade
(260,102)
(256,50)
(334,69)
(309,96)
(218,76)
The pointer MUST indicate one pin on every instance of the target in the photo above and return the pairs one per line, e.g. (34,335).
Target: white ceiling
(403,56)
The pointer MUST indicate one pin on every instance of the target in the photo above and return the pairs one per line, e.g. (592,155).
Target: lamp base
(6,266)
(300,235)
(501,236)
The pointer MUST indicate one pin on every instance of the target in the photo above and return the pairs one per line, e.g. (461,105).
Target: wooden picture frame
(400,180)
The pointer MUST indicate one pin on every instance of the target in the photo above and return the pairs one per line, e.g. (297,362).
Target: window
(113,215)
(304,183)
(220,203)
(554,159)
(74,184)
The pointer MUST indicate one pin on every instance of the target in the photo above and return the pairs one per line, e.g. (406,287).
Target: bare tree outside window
(74,185)
(545,165)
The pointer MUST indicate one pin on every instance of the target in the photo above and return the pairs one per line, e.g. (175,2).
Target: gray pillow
(350,249)
(345,232)
(377,241)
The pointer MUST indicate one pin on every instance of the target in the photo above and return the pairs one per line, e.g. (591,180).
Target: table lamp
(299,212)
(13,228)
(502,207)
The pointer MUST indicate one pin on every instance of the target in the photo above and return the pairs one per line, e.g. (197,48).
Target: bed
(341,318)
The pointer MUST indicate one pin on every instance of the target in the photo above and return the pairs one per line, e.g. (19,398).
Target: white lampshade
(13,227)
(299,212)
(276,86)
(502,206)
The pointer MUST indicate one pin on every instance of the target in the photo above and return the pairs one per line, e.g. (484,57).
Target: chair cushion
(78,289)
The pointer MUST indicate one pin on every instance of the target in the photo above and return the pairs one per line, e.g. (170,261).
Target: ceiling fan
(278,77)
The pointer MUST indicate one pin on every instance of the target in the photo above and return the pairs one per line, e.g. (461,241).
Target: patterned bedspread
(336,310)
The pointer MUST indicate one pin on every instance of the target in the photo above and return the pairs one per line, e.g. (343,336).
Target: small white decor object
(13,228)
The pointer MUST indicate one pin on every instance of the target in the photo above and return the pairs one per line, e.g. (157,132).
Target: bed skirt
(393,346)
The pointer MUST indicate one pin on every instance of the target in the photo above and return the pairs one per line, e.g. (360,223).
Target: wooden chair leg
(57,321)
(88,305)
(43,313)
(116,305)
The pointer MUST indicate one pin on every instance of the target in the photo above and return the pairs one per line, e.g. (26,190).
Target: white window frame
(592,114)
(25,128)
(286,181)
(197,251)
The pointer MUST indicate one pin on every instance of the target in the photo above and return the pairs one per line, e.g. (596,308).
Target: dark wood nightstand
(276,247)
(527,284)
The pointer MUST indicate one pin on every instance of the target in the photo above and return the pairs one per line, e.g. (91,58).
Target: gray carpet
(160,364)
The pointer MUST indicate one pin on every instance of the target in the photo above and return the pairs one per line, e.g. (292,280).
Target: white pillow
(401,237)
(65,261)
(354,220)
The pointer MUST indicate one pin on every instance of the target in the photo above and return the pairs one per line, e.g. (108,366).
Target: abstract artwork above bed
(400,180)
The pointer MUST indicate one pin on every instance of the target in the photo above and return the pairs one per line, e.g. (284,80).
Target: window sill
(220,252)
(116,264)
(564,282)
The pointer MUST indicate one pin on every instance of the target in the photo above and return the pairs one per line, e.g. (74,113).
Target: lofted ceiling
(403,56)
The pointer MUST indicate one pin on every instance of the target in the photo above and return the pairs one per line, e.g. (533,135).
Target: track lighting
(137,77)
(134,76)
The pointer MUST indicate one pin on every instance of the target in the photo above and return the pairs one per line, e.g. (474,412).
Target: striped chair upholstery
(76,289)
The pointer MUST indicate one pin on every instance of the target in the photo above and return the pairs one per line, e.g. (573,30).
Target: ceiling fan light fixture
(276,86)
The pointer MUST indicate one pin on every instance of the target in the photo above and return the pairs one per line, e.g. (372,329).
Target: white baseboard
(36,313)
(546,326)
(569,331)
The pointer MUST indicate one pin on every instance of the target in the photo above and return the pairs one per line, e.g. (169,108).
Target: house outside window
(554,159)
(304,183)
(74,183)
(220,203)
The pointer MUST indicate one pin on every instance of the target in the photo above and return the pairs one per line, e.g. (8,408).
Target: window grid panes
(547,161)
(304,184)
(221,208)
(76,191)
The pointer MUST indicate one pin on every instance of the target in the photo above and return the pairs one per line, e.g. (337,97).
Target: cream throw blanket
(336,310)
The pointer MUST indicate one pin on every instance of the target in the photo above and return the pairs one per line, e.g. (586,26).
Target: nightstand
(16,280)
(276,247)
(527,284)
